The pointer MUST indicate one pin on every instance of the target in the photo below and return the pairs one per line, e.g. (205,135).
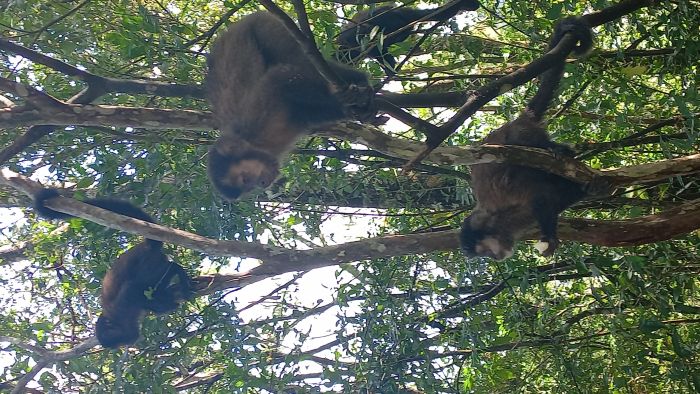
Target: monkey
(265,94)
(394,24)
(510,198)
(141,279)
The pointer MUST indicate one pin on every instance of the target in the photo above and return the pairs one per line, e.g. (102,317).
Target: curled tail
(549,80)
(117,206)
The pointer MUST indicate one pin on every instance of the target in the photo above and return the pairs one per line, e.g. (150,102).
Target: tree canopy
(346,274)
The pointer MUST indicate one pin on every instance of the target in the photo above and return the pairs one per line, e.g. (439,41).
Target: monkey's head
(113,333)
(477,238)
(236,168)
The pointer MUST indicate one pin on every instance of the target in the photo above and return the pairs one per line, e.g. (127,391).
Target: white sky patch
(173,8)
(316,287)
(18,62)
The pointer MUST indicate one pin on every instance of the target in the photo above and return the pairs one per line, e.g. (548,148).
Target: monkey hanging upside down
(511,198)
(265,94)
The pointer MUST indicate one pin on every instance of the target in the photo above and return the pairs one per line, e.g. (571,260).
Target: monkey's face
(478,240)
(234,174)
(114,333)
(494,247)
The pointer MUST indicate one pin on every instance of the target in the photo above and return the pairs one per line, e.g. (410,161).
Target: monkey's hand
(358,102)
(562,150)
(599,186)
(546,247)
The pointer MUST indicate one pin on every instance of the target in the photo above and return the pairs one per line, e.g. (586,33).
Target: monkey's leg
(308,100)
(547,218)
(184,288)
(167,295)
(162,301)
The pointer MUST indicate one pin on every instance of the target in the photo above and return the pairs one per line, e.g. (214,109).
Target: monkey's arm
(547,218)
(549,81)
(308,99)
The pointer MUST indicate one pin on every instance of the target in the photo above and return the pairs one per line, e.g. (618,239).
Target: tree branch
(33,97)
(487,93)
(107,84)
(106,115)
(46,358)
(277,260)
(97,87)
(112,116)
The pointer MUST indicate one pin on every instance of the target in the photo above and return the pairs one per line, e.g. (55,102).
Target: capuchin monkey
(393,25)
(511,198)
(142,279)
(265,94)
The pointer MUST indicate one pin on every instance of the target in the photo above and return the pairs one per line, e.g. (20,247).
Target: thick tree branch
(14,253)
(303,19)
(35,133)
(33,97)
(532,157)
(652,172)
(276,260)
(106,115)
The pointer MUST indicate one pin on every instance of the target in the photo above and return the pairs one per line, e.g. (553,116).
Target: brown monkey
(394,26)
(510,198)
(265,94)
(140,280)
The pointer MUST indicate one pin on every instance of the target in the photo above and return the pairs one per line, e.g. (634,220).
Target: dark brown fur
(265,94)
(354,38)
(140,280)
(511,198)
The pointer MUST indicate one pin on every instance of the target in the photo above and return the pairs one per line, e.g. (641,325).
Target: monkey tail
(117,206)
(42,210)
(549,80)
(469,5)
(445,12)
